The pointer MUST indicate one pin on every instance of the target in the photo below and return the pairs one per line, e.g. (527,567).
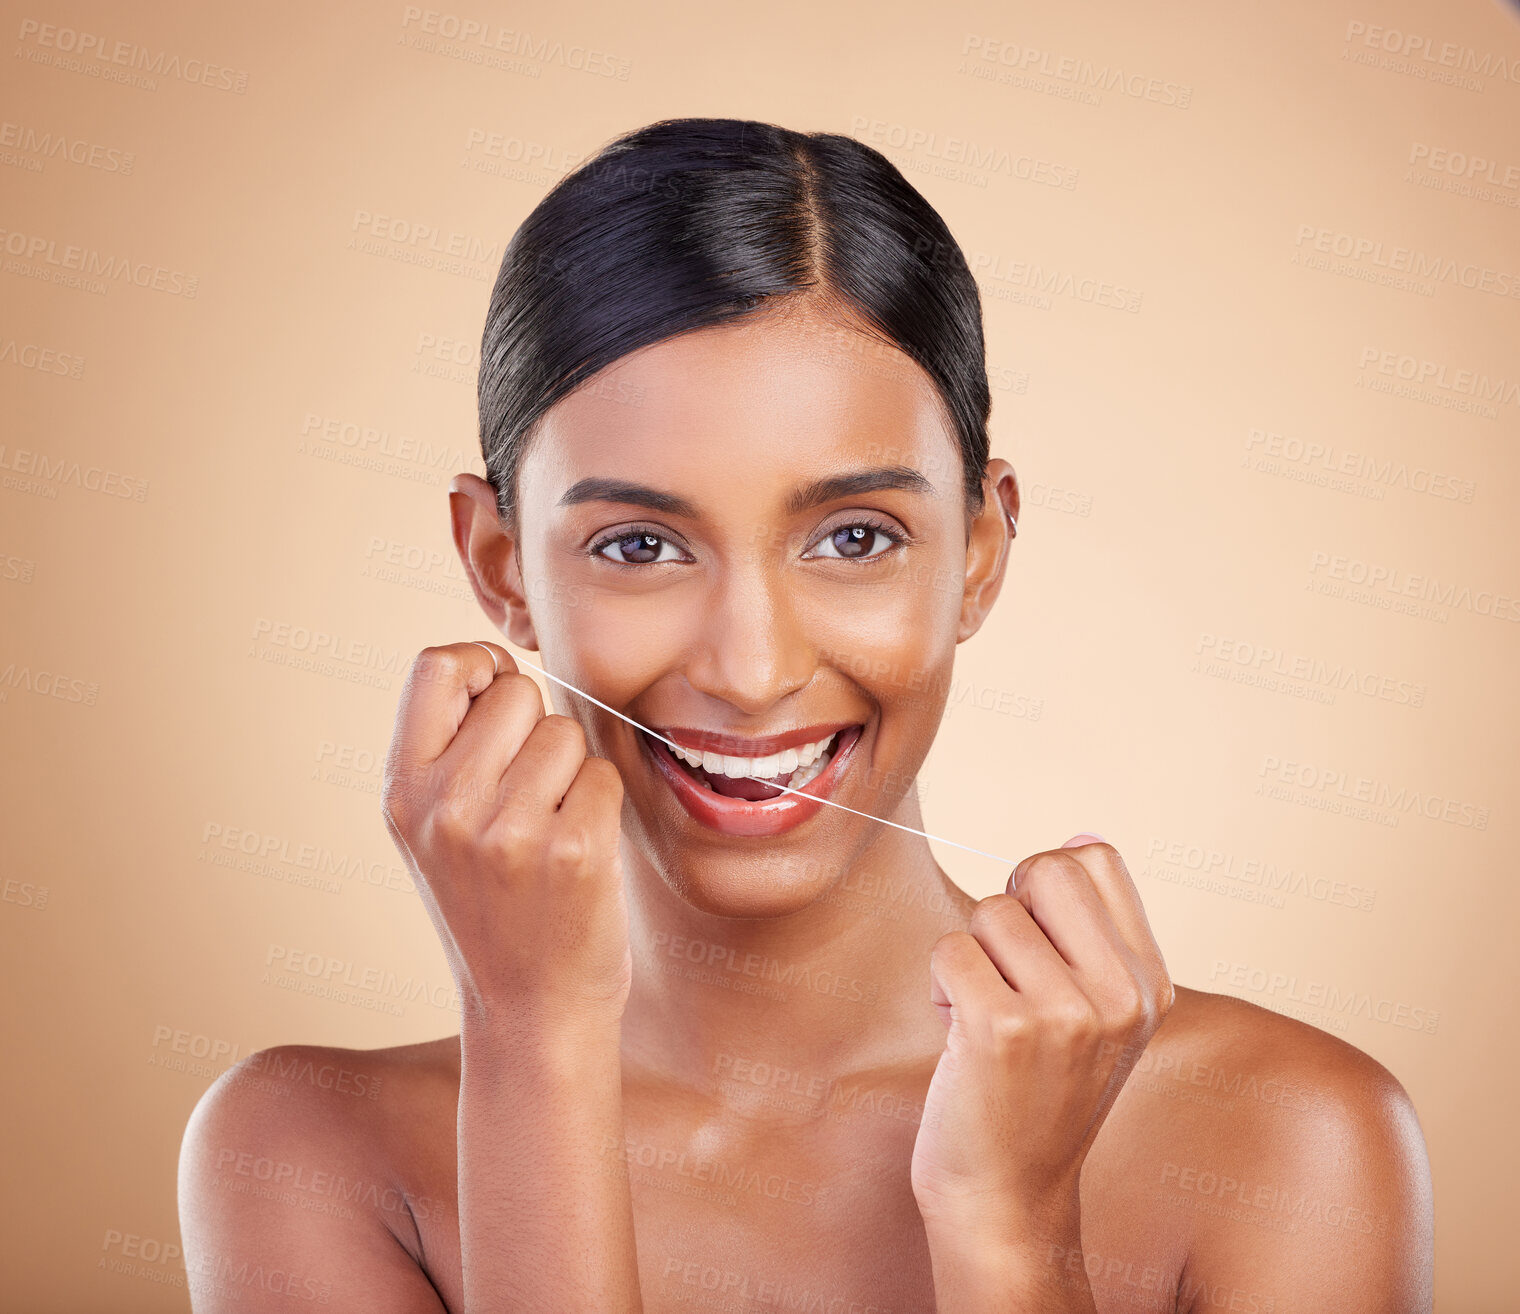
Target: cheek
(618,647)
(896,634)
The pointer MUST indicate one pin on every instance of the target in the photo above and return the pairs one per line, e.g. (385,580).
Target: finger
(1058,891)
(595,798)
(541,772)
(964,983)
(1020,951)
(435,699)
(494,730)
(1116,887)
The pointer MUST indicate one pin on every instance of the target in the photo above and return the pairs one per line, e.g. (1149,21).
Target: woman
(733,410)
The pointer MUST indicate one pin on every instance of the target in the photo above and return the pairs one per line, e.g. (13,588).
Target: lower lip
(737,816)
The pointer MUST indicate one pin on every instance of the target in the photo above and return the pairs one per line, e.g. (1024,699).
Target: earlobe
(489,556)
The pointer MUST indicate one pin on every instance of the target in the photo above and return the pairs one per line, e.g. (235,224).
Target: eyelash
(897,537)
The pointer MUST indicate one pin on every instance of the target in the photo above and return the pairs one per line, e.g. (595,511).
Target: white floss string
(523,661)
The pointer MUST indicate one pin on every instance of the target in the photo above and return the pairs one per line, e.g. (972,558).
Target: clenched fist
(510,831)
(1050,998)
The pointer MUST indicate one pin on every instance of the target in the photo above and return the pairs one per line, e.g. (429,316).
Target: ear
(987,545)
(489,553)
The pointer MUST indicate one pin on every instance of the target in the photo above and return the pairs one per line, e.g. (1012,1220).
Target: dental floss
(523,661)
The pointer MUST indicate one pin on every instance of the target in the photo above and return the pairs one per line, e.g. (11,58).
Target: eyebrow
(819,491)
(901,477)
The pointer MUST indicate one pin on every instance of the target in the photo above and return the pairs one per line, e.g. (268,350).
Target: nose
(752,650)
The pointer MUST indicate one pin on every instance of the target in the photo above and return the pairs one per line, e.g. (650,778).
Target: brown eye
(855,542)
(637,549)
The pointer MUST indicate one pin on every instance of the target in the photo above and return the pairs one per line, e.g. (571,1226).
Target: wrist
(539,1033)
(1008,1261)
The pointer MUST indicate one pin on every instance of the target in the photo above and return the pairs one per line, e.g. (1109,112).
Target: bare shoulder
(312,1171)
(1274,1061)
(1291,1163)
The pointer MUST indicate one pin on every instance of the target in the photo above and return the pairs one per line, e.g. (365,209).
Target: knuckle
(519,685)
(1133,1008)
(1008,1028)
(1075,1018)
(469,793)
(1166,997)
(953,947)
(436,664)
(449,818)
(1052,864)
(565,729)
(604,773)
(995,912)
(509,838)
(567,852)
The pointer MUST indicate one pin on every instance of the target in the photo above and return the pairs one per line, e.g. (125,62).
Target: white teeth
(809,773)
(809,758)
(766,767)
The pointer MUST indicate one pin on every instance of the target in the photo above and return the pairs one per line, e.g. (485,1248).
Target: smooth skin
(806,1072)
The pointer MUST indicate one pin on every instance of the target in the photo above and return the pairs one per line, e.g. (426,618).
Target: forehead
(746,411)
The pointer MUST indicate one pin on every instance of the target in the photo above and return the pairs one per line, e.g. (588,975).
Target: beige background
(209,664)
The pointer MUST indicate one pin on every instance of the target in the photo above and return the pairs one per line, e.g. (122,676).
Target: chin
(767,885)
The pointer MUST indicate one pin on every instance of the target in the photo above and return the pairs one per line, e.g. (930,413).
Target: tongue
(735,787)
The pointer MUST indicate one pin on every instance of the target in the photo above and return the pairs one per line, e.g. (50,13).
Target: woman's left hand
(1050,998)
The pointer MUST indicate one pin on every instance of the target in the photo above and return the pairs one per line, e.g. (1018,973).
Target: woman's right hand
(510,831)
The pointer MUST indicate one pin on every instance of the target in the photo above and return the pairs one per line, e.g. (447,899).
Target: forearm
(1010,1269)
(545,1216)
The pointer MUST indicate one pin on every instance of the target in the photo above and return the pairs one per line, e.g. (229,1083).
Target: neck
(839,986)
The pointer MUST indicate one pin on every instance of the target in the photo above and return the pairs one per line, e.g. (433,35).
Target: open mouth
(755,795)
(754,779)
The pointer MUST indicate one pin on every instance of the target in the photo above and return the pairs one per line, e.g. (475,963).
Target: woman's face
(753,538)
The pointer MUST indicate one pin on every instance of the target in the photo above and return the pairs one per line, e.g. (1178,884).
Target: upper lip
(717,741)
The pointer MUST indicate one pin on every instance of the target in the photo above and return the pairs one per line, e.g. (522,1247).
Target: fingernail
(1086,837)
